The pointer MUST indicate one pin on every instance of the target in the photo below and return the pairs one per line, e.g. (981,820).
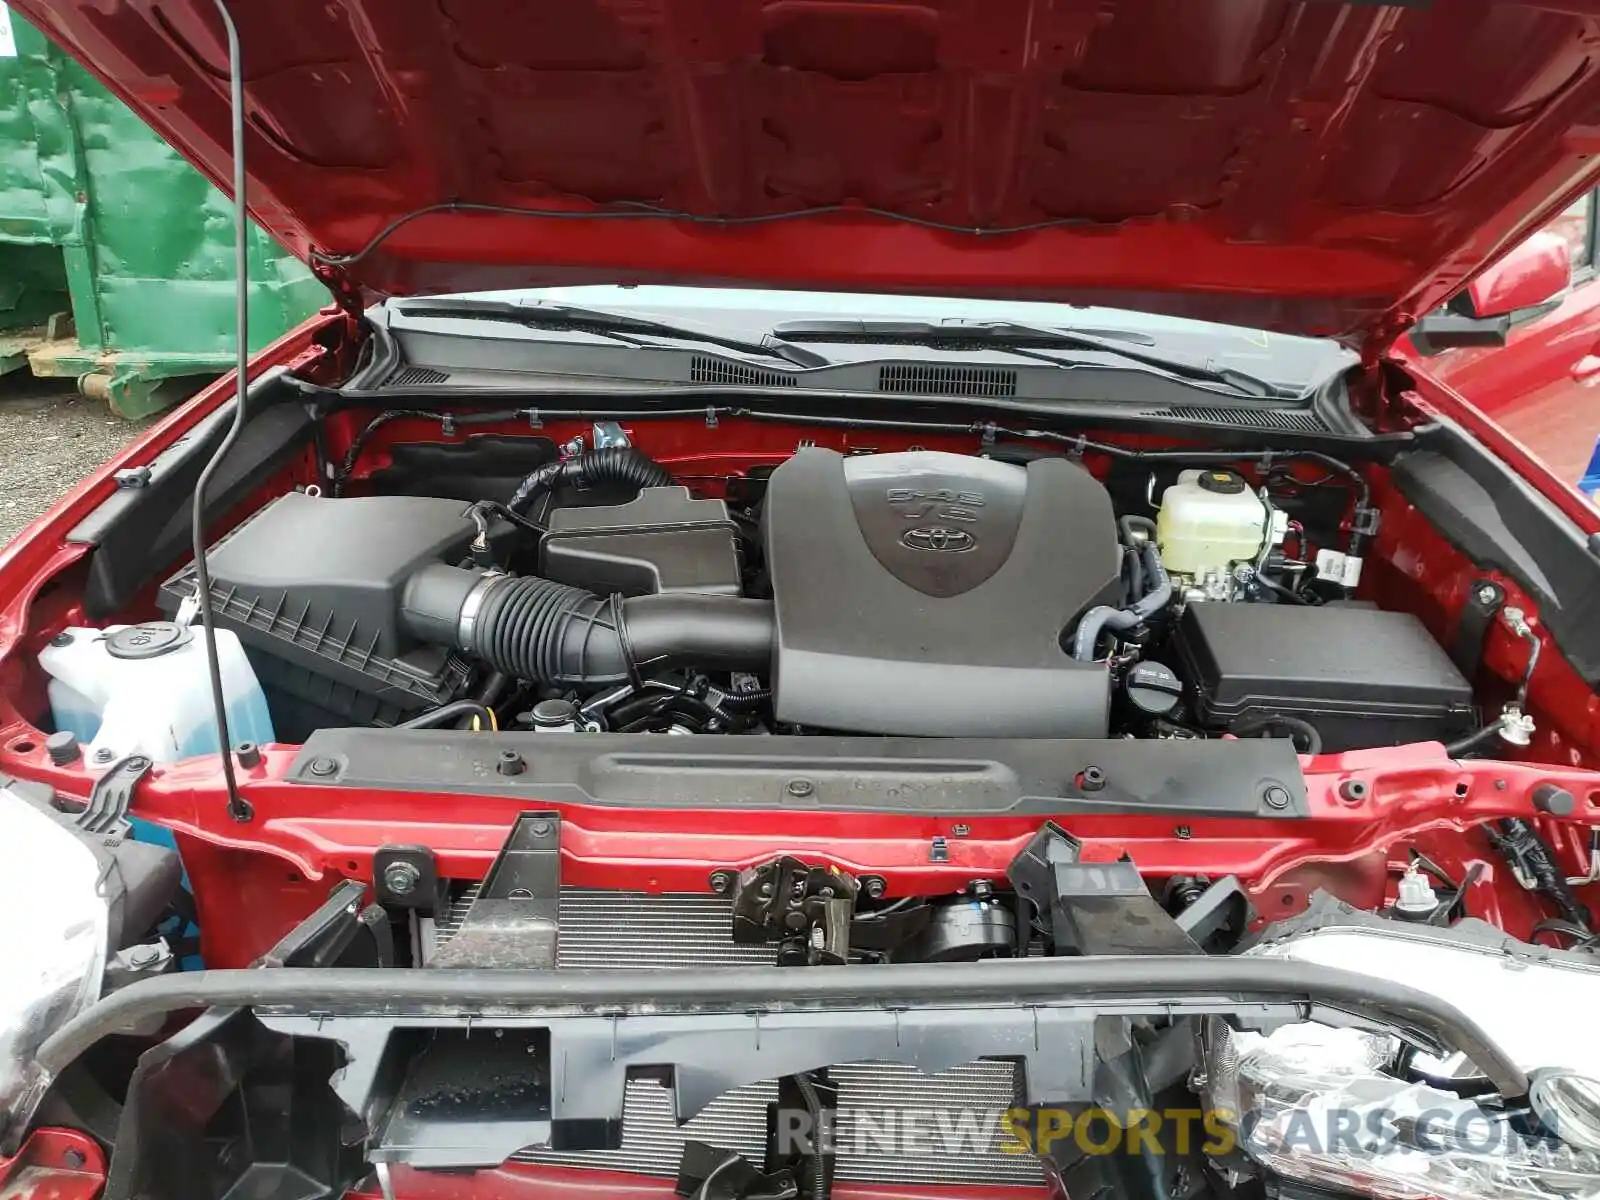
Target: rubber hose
(1097,620)
(435,717)
(1133,568)
(1126,526)
(624,465)
(1474,741)
(1255,726)
(533,628)
(487,694)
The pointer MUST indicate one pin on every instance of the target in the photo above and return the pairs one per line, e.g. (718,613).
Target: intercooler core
(894,1122)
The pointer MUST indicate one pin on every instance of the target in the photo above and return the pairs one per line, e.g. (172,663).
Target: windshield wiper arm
(1020,339)
(621,327)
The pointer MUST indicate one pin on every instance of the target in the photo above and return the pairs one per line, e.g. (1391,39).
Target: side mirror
(1525,284)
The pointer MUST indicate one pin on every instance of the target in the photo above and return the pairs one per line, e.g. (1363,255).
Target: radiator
(636,930)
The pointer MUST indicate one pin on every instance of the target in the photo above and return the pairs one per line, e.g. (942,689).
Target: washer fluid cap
(151,639)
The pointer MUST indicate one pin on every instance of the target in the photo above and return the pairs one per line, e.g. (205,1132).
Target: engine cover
(925,593)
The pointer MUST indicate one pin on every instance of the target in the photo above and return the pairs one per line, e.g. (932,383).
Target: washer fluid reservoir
(144,689)
(1208,521)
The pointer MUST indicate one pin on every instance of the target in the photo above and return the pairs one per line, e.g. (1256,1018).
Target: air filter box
(311,585)
(1362,676)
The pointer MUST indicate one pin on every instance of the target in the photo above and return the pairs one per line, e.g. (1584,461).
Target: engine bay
(717,696)
(1005,593)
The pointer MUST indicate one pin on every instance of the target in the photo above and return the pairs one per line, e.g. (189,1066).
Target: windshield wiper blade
(621,327)
(1023,339)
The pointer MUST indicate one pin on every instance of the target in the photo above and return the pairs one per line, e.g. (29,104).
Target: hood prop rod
(238,807)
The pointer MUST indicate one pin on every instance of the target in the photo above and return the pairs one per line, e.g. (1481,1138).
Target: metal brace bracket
(512,921)
(1485,599)
(112,796)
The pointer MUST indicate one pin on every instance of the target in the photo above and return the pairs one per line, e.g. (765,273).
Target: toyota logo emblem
(939,539)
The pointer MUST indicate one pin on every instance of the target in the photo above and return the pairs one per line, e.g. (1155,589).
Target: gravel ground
(50,437)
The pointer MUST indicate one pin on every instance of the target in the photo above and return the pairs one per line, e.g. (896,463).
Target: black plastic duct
(534,628)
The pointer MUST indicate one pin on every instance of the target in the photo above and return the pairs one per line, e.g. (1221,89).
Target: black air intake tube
(613,464)
(534,628)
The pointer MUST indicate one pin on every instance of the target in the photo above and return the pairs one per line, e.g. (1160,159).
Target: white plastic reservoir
(1208,521)
(144,689)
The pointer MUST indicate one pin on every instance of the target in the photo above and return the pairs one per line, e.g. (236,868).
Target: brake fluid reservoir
(144,689)
(1208,521)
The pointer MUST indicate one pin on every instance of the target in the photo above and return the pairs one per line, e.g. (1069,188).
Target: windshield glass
(1292,364)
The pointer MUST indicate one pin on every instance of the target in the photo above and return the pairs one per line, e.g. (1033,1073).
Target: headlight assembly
(51,957)
(1335,1107)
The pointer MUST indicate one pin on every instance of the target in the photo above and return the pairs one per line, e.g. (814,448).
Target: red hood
(1315,167)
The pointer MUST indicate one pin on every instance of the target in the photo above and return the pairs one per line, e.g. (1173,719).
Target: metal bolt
(323,767)
(874,886)
(144,956)
(76,1160)
(510,763)
(1276,797)
(981,888)
(401,878)
(539,828)
(249,754)
(104,754)
(1487,594)
(1183,833)
(1093,779)
(62,639)
(800,787)
(722,882)
(138,763)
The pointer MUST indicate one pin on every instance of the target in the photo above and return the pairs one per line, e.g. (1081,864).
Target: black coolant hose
(622,465)
(1097,620)
(533,628)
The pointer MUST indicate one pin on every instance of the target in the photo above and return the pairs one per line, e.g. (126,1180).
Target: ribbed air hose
(549,631)
(534,628)
(623,465)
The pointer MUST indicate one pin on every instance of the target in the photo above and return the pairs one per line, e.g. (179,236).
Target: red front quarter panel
(1542,387)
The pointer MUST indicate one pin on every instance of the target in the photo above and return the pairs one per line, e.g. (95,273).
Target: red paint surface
(54,1164)
(1537,270)
(1318,167)
(1543,386)
(527,1181)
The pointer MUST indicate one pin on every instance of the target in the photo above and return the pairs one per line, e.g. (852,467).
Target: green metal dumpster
(116,256)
